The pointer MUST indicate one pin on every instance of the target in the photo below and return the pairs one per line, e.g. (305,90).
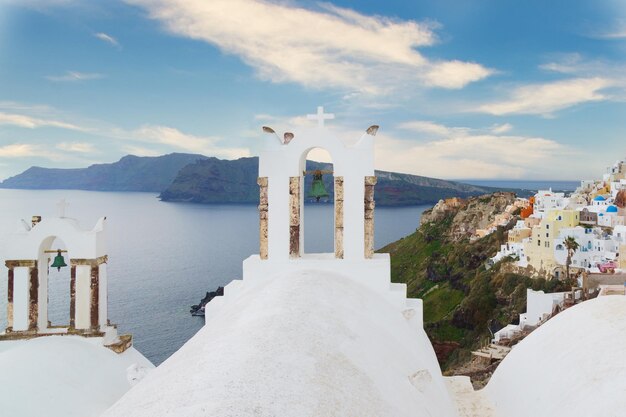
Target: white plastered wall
(21,287)
(103,296)
(83,296)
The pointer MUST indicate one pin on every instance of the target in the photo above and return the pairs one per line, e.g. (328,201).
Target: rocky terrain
(469,215)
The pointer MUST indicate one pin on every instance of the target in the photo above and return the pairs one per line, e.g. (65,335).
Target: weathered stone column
(93,294)
(339,217)
(263,206)
(10,299)
(72,294)
(294,217)
(94,308)
(369,203)
(32,289)
(33,303)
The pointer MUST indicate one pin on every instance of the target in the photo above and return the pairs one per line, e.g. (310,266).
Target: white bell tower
(28,263)
(281,167)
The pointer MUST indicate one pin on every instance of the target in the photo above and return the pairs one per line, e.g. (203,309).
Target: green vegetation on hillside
(462,299)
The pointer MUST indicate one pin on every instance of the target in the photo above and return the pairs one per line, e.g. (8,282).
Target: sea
(164,257)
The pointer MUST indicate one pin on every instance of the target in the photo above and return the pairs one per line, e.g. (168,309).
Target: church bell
(318,190)
(59,261)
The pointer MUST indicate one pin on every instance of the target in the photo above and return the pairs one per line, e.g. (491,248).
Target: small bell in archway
(318,190)
(59,261)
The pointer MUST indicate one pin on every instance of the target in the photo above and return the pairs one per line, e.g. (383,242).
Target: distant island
(131,173)
(200,179)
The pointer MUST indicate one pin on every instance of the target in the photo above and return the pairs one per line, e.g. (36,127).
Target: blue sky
(493,89)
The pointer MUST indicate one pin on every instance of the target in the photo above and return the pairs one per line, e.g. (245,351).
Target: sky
(484,89)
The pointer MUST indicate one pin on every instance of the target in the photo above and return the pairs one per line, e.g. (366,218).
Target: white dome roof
(309,344)
(62,376)
(573,365)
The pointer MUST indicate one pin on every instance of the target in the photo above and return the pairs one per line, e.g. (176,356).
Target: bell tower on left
(29,261)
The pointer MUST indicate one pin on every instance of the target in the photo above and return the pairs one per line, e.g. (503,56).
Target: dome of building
(573,365)
(611,209)
(64,376)
(599,198)
(305,344)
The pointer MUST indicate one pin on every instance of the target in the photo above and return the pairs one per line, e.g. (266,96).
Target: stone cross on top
(61,206)
(320,116)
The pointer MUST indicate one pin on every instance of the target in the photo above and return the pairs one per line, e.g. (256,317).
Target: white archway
(54,286)
(323,231)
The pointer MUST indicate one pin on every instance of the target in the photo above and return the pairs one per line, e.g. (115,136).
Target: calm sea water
(163,257)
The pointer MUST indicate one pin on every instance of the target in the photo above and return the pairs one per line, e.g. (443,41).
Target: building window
(539,243)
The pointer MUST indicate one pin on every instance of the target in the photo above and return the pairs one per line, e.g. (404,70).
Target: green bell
(317,188)
(59,261)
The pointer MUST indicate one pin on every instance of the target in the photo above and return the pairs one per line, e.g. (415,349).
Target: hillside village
(583,232)
(492,269)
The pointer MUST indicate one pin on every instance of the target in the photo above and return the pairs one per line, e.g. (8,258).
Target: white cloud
(72,76)
(106,38)
(29,122)
(428,127)
(441,151)
(472,156)
(174,138)
(78,147)
(455,74)
(163,138)
(19,150)
(502,128)
(550,97)
(140,151)
(437,129)
(617,31)
(330,47)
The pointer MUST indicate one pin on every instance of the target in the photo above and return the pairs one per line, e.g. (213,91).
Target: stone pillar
(94,309)
(294,217)
(263,206)
(339,217)
(29,285)
(72,295)
(369,203)
(33,304)
(91,305)
(10,299)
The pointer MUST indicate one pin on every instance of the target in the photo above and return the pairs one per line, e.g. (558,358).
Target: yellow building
(517,235)
(622,257)
(539,250)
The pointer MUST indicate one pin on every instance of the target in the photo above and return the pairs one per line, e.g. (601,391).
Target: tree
(572,246)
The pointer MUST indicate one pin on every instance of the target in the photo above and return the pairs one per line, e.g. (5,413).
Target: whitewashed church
(302,334)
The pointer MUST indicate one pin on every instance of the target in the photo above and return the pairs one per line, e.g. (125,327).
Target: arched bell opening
(54,287)
(316,203)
